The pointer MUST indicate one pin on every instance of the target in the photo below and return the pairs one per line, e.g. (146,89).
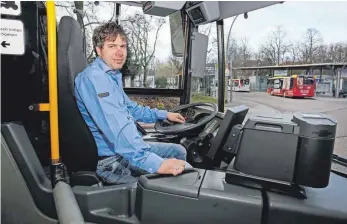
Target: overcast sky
(329,18)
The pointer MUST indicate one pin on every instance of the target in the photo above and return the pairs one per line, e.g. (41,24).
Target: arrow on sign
(4,44)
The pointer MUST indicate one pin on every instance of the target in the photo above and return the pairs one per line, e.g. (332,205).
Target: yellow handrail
(52,77)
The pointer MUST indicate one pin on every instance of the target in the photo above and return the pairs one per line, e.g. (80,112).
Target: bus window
(236,83)
(150,63)
(308,81)
(277,84)
(300,81)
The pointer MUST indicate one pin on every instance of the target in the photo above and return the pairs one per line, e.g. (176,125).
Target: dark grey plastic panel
(230,203)
(17,204)
(184,185)
(109,204)
(322,206)
(265,151)
(311,122)
(217,202)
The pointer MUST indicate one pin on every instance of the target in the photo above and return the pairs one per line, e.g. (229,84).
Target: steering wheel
(167,127)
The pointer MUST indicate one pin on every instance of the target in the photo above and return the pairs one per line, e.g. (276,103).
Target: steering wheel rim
(187,126)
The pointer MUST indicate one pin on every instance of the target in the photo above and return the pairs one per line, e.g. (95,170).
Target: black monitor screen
(197,15)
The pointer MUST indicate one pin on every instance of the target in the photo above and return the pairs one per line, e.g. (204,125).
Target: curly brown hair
(107,31)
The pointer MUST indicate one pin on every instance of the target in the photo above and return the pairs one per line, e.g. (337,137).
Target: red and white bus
(292,86)
(241,85)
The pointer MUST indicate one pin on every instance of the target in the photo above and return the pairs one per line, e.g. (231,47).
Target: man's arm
(103,104)
(145,114)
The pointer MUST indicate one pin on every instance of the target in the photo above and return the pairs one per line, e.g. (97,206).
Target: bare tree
(139,28)
(131,68)
(294,53)
(177,62)
(212,42)
(275,48)
(88,20)
(337,52)
(310,47)
(233,52)
(245,51)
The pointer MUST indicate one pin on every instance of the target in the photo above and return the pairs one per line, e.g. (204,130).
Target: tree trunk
(132,81)
(145,76)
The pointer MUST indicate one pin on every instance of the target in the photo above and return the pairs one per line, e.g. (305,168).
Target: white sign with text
(12,37)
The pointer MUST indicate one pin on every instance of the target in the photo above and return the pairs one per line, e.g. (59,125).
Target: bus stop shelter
(339,78)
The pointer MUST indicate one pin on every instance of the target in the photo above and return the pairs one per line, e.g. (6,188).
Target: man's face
(114,53)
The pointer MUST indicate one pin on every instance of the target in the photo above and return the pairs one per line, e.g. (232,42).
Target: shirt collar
(105,67)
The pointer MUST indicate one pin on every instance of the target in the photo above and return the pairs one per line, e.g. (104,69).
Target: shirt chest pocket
(111,101)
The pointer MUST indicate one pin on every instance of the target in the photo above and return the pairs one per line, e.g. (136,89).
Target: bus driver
(111,115)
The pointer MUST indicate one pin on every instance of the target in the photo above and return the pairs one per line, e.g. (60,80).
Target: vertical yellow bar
(53,85)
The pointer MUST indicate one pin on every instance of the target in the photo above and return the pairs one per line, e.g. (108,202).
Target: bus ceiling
(211,11)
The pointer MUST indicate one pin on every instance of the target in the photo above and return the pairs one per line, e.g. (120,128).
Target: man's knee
(180,151)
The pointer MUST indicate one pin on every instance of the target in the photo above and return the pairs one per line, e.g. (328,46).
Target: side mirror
(177,36)
(199,50)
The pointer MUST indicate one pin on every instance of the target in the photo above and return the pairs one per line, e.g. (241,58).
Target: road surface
(264,103)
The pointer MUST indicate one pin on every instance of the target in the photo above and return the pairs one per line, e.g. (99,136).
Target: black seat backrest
(77,144)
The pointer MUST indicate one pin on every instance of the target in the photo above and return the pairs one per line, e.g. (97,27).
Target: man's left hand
(175,117)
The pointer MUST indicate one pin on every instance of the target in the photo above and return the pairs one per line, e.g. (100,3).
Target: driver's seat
(77,145)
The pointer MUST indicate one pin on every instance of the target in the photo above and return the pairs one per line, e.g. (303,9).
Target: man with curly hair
(111,116)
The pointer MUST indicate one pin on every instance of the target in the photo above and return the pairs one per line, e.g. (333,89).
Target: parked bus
(293,86)
(241,85)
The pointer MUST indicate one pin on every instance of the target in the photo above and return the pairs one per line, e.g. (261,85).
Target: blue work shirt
(111,116)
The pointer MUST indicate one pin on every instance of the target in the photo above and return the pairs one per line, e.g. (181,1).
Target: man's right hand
(172,166)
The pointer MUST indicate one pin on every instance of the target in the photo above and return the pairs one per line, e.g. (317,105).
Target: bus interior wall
(26,85)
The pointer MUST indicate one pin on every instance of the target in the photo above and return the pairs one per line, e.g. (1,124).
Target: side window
(150,63)
(278,83)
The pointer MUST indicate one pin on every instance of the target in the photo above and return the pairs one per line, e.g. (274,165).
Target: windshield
(308,81)
(265,46)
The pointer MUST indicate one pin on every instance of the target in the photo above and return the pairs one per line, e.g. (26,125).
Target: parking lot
(264,103)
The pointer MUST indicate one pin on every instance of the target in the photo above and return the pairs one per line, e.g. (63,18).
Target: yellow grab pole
(52,77)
